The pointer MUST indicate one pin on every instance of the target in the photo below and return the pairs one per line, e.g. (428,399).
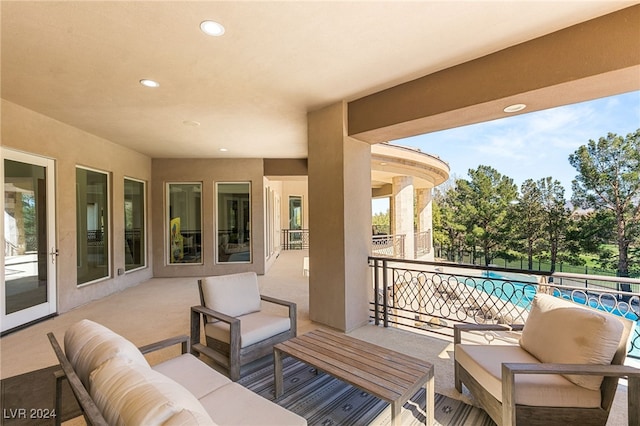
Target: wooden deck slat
(344,371)
(376,366)
(368,350)
(375,355)
(382,356)
(378,351)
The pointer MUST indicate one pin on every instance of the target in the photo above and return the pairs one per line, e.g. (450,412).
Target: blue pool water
(519,293)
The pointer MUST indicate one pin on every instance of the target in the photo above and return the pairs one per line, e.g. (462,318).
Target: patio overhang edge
(593,59)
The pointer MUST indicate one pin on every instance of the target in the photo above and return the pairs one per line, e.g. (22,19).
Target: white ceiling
(250,90)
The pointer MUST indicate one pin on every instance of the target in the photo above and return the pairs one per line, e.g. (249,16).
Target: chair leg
(234,370)
(456,377)
(235,358)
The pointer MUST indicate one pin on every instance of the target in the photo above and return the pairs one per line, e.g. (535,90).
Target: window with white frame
(92,215)
(184,222)
(234,221)
(134,224)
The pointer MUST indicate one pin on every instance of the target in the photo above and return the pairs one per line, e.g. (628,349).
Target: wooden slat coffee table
(386,374)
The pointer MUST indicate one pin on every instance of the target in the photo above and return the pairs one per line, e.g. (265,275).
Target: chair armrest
(215,314)
(509,371)
(276,300)
(293,310)
(459,328)
(182,340)
(197,312)
(92,414)
(576,369)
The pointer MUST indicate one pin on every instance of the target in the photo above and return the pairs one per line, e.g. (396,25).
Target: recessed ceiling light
(149,83)
(515,108)
(223,150)
(191,123)
(212,28)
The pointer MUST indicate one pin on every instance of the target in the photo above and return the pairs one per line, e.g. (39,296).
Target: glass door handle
(54,253)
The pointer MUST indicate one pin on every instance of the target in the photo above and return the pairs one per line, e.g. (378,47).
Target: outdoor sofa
(115,385)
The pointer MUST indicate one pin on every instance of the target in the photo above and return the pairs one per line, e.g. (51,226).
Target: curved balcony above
(389,161)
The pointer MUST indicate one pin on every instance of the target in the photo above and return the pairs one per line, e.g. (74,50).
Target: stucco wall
(339,222)
(28,131)
(208,172)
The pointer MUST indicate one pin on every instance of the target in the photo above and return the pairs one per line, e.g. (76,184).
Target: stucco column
(403,211)
(339,221)
(425,219)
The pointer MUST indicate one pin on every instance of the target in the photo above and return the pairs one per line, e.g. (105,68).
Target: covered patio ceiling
(247,93)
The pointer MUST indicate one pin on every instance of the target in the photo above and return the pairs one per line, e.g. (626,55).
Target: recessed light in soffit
(515,108)
(149,83)
(212,28)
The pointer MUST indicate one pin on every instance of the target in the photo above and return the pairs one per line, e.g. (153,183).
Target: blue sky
(533,145)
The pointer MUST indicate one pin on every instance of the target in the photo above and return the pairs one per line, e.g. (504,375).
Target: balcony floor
(159,308)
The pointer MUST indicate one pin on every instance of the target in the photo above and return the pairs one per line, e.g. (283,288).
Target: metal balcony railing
(433,296)
(388,246)
(295,239)
(422,243)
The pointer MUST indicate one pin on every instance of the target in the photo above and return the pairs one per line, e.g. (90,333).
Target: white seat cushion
(130,394)
(559,331)
(196,376)
(88,345)
(484,363)
(254,328)
(233,295)
(186,418)
(234,405)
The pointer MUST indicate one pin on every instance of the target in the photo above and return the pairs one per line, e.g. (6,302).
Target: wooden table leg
(430,406)
(396,413)
(277,373)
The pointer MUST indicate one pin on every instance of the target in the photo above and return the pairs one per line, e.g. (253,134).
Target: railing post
(376,283)
(586,281)
(385,302)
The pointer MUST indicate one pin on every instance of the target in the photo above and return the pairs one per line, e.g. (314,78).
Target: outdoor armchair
(237,326)
(564,369)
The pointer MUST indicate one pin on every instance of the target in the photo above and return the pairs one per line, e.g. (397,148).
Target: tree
(529,219)
(449,232)
(381,223)
(483,204)
(593,229)
(609,179)
(555,216)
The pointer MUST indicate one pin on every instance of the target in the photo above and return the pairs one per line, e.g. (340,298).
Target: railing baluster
(385,284)
(376,298)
